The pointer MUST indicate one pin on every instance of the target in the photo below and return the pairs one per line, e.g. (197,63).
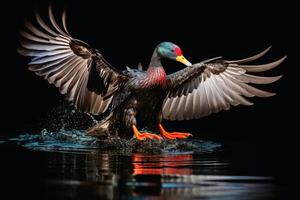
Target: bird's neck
(156,74)
(155,60)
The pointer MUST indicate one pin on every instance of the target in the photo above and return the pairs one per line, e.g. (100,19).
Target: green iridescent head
(171,51)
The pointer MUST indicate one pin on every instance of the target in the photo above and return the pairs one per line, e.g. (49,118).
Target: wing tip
(268,48)
(276,78)
(273,94)
(251,58)
(20,51)
(284,57)
(263,67)
(268,94)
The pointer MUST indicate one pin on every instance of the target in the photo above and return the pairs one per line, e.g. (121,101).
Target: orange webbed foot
(173,135)
(145,135)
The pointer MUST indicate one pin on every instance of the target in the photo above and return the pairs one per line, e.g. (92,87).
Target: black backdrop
(126,33)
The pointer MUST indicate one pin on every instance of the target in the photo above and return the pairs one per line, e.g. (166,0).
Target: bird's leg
(146,135)
(173,135)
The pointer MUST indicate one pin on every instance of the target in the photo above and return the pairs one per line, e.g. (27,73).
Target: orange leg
(142,136)
(173,135)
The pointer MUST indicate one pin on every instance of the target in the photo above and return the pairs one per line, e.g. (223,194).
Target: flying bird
(136,98)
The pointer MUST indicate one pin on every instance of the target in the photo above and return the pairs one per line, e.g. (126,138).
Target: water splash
(65,116)
(77,141)
(62,129)
(62,140)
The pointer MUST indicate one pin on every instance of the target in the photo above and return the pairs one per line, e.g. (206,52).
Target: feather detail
(155,76)
(214,85)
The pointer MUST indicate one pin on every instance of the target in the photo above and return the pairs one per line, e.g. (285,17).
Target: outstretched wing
(73,66)
(211,86)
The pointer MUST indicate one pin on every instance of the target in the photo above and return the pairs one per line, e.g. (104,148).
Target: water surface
(74,166)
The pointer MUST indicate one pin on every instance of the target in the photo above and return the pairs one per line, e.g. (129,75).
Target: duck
(137,99)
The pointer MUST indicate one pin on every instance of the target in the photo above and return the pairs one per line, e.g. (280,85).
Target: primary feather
(209,87)
(78,70)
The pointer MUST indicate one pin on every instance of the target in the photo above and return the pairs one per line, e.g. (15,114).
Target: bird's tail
(101,128)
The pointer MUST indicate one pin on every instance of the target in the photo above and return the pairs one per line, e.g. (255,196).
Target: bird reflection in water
(162,164)
(110,176)
(103,173)
(150,172)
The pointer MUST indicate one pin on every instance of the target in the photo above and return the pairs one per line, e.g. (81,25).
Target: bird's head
(171,51)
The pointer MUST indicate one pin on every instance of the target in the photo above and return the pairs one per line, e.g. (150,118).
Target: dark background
(127,33)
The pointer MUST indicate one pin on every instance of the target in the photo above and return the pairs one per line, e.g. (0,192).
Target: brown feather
(209,87)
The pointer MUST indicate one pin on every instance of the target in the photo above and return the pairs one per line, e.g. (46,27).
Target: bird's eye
(172,50)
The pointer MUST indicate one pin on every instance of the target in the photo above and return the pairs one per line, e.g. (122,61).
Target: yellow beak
(183,60)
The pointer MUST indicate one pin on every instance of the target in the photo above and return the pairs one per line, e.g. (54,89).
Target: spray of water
(63,129)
